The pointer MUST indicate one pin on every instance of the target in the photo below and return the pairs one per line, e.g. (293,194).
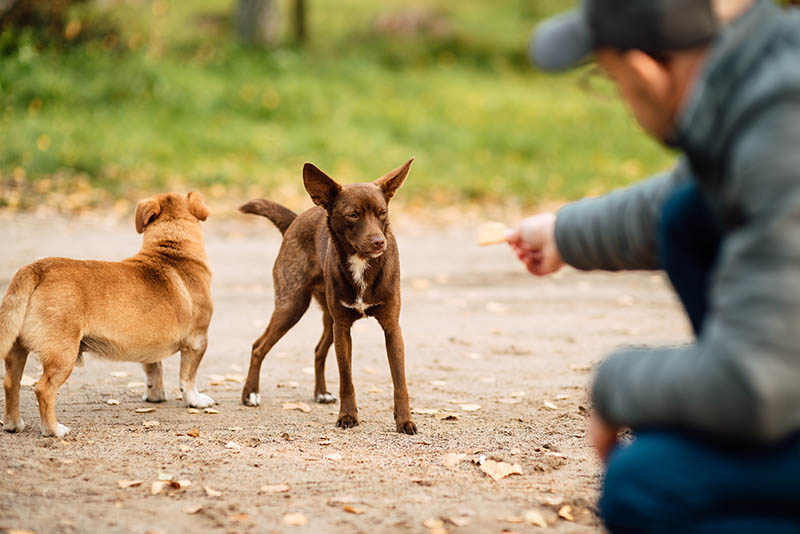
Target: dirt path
(478,330)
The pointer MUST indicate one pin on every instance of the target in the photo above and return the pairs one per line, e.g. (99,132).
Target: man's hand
(534,241)
(603,436)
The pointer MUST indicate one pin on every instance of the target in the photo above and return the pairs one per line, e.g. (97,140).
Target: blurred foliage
(166,98)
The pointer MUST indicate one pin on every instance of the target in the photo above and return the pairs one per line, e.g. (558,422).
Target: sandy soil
(478,331)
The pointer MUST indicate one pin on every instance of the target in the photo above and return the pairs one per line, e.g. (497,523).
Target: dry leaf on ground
(549,405)
(193,509)
(295,519)
(500,470)
(458,521)
(112,402)
(211,492)
(145,410)
(195,432)
(535,517)
(447,416)
(160,485)
(566,512)
(211,411)
(452,458)
(302,406)
(350,509)
(128,483)
(433,523)
(274,488)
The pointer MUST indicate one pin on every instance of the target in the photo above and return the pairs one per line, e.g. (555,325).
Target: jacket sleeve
(742,377)
(618,230)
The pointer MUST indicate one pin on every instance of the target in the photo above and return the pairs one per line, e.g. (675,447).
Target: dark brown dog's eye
(353,216)
(383,213)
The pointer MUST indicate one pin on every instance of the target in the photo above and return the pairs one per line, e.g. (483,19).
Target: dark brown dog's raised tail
(281,216)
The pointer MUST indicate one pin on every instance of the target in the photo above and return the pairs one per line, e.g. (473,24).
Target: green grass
(172,101)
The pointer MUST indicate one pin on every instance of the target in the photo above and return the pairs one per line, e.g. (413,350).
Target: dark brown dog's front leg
(396,354)
(348,413)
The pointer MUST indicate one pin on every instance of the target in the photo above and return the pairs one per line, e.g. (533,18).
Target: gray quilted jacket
(740,137)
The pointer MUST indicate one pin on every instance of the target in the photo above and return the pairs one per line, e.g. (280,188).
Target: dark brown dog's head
(171,207)
(358,213)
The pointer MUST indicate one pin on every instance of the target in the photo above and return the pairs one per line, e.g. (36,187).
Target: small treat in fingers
(492,233)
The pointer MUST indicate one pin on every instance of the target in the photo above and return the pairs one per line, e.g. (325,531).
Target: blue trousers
(671,482)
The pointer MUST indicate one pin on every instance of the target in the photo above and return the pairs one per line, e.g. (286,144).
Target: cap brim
(561,42)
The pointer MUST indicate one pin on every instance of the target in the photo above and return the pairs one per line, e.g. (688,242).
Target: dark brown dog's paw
(407,427)
(347,421)
(325,398)
(250,398)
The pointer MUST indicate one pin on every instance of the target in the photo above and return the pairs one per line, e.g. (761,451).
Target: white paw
(254,399)
(60,432)
(195,399)
(157,396)
(11,426)
(325,398)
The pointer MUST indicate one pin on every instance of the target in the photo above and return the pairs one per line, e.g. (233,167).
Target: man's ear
(391,181)
(146,212)
(321,187)
(197,205)
(653,76)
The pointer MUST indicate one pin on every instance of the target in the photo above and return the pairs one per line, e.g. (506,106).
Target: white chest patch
(358,266)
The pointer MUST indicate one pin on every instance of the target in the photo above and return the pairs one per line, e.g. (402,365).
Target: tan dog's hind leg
(286,314)
(56,371)
(15,364)
(190,361)
(321,393)
(348,412)
(155,383)
(396,353)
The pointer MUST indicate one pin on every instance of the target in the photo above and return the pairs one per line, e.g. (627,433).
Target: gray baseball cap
(652,26)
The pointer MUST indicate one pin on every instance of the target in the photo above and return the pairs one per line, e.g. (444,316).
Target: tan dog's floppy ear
(197,205)
(391,181)
(146,212)
(321,187)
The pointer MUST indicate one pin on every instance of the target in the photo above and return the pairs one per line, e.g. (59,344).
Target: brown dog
(142,309)
(343,254)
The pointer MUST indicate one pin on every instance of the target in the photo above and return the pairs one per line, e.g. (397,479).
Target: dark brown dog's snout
(378,243)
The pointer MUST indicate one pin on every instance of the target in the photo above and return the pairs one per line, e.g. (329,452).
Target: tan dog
(142,309)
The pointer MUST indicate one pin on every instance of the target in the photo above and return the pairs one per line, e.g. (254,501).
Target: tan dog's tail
(14,306)
(281,216)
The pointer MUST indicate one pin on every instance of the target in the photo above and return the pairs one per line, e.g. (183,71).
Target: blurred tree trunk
(300,27)
(257,21)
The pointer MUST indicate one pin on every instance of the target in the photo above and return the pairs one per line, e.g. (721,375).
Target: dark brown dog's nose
(378,243)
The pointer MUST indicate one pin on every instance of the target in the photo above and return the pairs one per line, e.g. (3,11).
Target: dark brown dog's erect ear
(321,187)
(197,205)
(392,180)
(146,212)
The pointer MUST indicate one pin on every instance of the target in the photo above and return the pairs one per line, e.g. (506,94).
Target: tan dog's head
(172,207)
(358,213)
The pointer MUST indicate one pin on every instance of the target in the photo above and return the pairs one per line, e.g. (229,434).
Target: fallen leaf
(274,488)
(238,518)
(128,483)
(433,523)
(561,397)
(211,411)
(302,406)
(287,437)
(549,405)
(556,454)
(150,424)
(160,485)
(295,519)
(566,512)
(350,509)
(235,428)
(335,456)
(452,459)
(193,410)
(211,492)
(447,417)
(195,432)
(112,402)
(535,517)
(458,521)
(232,445)
(193,509)
(27,381)
(553,500)
(145,410)
(500,470)
(470,407)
